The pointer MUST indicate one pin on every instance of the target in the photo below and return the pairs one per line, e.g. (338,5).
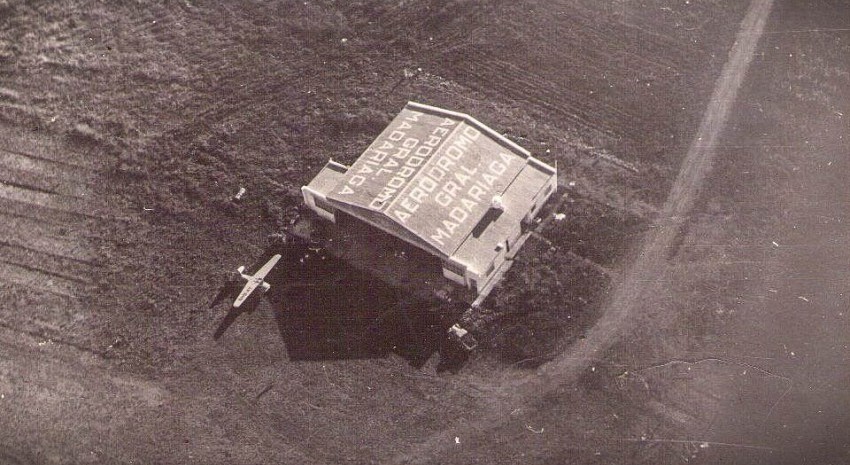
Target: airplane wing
(246,291)
(262,272)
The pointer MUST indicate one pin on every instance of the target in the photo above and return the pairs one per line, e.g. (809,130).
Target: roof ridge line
(473,122)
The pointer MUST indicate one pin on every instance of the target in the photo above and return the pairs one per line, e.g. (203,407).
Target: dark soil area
(601,237)
(536,319)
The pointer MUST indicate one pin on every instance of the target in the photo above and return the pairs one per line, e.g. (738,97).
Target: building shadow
(326,309)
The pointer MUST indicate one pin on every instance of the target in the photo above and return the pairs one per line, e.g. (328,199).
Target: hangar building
(445,183)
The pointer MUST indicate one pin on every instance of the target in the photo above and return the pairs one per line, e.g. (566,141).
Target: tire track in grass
(47,210)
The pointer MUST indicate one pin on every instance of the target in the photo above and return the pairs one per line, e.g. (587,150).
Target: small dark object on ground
(462,337)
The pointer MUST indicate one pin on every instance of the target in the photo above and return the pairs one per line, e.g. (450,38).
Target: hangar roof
(431,176)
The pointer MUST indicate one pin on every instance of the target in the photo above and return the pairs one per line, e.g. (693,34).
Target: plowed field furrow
(533,88)
(612,115)
(516,91)
(80,269)
(667,23)
(214,72)
(475,23)
(458,40)
(657,51)
(45,166)
(596,34)
(205,120)
(37,280)
(15,180)
(202,124)
(48,151)
(597,74)
(11,111)
(37,181)
(604,59)
(21,296)
(614,65)
(44,333)
(48,215)
(154,22)
(366,14)
(28,221)
(217,53)
(597,60)
(10,215)
(40,268)
(394,17)
(24,194)
(550,90)
(37,238)
(593,38)
(33,195)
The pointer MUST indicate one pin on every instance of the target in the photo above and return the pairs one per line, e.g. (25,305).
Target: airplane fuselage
(256,280)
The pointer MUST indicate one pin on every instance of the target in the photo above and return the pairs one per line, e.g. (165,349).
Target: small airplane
(231,288)
(254,281)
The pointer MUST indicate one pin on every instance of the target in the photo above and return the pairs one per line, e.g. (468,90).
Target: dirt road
(648,273)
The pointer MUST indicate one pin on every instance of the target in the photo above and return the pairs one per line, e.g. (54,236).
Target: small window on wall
(490,269)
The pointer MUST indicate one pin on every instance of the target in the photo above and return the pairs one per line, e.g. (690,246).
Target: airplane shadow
(327,310)
(228,291)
